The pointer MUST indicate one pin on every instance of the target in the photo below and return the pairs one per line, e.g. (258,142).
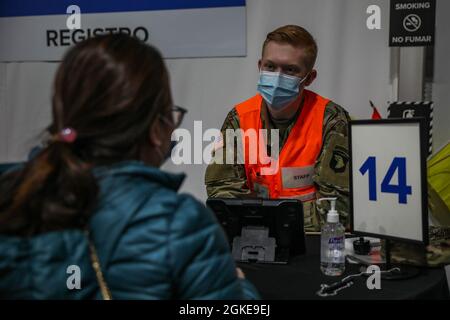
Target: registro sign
(36,30)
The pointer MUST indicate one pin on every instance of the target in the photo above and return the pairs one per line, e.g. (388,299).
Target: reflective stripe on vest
(292,177)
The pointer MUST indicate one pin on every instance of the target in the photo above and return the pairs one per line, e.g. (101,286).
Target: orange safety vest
(292,177)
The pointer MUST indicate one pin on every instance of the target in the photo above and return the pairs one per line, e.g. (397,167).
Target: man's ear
(259,64)
(311,77)
(155,133)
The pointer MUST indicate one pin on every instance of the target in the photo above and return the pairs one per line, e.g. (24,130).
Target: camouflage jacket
(436,254)
(331,175)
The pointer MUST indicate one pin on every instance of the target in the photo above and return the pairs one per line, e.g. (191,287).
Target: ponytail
(55,190)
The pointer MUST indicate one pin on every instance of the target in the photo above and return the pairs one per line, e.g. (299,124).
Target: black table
(301,279)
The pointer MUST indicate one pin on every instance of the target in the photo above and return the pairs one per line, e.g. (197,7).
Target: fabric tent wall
(353,66)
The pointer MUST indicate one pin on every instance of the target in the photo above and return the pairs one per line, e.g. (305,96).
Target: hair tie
(67,135)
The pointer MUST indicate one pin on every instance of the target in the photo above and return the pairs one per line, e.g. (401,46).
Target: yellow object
(438,173)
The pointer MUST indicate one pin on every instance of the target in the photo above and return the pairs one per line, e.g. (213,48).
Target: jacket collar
(167,179)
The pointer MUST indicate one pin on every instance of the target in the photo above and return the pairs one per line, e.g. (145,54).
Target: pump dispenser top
(332,216)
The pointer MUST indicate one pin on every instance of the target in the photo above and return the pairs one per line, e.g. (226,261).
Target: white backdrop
(353,66)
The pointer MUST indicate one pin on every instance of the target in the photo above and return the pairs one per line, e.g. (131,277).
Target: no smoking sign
(412,23)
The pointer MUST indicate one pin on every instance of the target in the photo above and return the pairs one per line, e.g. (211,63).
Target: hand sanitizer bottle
(332,250)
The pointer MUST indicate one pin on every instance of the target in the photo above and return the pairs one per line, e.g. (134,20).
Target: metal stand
(402,271)
(254,245)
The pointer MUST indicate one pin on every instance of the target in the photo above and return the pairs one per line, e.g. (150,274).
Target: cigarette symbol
(412,22)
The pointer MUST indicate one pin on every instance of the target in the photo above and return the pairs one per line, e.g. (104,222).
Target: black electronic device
(261,230)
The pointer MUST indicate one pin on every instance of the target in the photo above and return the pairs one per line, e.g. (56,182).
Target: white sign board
(42,30)
(388,179)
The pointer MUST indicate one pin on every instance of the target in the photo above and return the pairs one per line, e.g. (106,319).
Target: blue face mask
(278,89)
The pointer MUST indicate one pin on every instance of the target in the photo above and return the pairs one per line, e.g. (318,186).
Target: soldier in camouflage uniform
(331,172)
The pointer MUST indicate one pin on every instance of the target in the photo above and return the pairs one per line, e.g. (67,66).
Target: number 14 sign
(388,187)
(398,165)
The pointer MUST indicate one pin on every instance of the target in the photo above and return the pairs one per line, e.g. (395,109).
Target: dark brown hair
(297,37)
(109,89)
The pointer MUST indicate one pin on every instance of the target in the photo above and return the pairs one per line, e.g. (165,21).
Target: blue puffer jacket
(152,244)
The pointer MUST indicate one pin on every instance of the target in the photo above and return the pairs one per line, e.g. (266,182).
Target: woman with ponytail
(93,200)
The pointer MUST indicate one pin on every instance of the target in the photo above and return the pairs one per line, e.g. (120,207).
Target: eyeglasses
(177,116)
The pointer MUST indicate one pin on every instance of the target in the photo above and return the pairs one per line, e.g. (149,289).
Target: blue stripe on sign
(16,8)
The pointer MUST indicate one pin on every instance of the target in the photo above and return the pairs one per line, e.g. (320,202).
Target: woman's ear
(155,133)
